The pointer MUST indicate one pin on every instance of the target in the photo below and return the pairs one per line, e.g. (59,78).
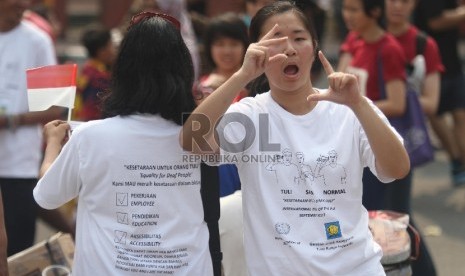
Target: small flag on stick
(51,85)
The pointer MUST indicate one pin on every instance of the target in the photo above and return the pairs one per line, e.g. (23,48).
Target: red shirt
(368,56)
(431,52)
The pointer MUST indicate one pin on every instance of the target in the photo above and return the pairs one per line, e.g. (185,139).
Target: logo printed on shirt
(282,228)
(333,230)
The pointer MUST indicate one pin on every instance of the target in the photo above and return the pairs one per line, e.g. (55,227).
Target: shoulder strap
(421,42)
(210,192)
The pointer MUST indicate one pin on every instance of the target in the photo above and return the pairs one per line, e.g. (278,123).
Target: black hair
(228,25)
(369,6)
(260,84)
(153,73)
(95,38)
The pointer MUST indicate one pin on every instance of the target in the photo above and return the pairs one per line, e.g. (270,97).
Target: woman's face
(294,71)
(399,11)
(354,16)
(227,53)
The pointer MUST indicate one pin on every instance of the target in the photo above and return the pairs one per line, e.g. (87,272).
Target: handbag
(398,239)
(412,125)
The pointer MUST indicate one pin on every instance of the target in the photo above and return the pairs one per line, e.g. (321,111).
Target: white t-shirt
(302,188)
(231,235)
(139,205)
(22,48)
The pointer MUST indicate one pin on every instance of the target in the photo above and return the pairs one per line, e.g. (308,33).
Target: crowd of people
(230,83)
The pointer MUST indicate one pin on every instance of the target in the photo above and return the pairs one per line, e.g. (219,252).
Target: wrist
(359,106)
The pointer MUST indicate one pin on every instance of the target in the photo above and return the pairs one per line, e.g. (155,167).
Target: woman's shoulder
(258,103)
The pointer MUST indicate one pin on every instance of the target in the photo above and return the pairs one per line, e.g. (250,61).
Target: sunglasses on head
(146,15)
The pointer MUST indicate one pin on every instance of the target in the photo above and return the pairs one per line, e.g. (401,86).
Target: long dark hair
(153,73)
(260,84)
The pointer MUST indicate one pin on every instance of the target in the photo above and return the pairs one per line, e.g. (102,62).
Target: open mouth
(291,70)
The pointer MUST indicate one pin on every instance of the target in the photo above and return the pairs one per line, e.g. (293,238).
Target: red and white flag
(51,85)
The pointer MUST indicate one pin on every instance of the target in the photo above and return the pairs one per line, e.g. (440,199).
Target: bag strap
(421,42)
(210,193)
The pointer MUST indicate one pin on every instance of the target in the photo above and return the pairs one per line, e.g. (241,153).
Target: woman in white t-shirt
(300,152)
(139,205)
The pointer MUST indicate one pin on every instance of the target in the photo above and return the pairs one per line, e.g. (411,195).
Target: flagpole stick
(69,119)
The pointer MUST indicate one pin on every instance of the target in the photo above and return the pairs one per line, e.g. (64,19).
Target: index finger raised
(270,33)
(328,68)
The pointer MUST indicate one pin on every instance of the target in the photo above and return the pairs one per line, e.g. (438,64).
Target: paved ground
(439,213)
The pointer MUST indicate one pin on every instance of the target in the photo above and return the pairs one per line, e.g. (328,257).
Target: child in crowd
(225,43)
(94,78)
(426,76)
(379,63)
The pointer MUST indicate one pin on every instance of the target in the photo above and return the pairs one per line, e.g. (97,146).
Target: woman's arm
(394,103)
(429,97)
(391,157)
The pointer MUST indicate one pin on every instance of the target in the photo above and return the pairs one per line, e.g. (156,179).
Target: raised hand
(343,87)
(257,56)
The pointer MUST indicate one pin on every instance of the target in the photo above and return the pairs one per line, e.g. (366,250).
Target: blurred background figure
(177,9)
(95,74)
(23,46)
(442,20)
(225,42)
(111,13)
(425,77)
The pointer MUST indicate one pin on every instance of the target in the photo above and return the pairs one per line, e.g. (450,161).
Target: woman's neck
(398,29)
(294,102)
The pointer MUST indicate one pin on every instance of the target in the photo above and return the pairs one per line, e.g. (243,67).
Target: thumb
(318,96)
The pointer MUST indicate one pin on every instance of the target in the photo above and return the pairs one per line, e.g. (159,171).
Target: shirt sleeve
(61,182)
(349,43)
(432,57)
(394,62)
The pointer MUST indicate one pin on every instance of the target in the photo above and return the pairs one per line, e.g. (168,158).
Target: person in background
(135,190)
(379,63)
(429,66)
(23,46)
(226,41)
(281,236)
(442,20)
(94,77)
